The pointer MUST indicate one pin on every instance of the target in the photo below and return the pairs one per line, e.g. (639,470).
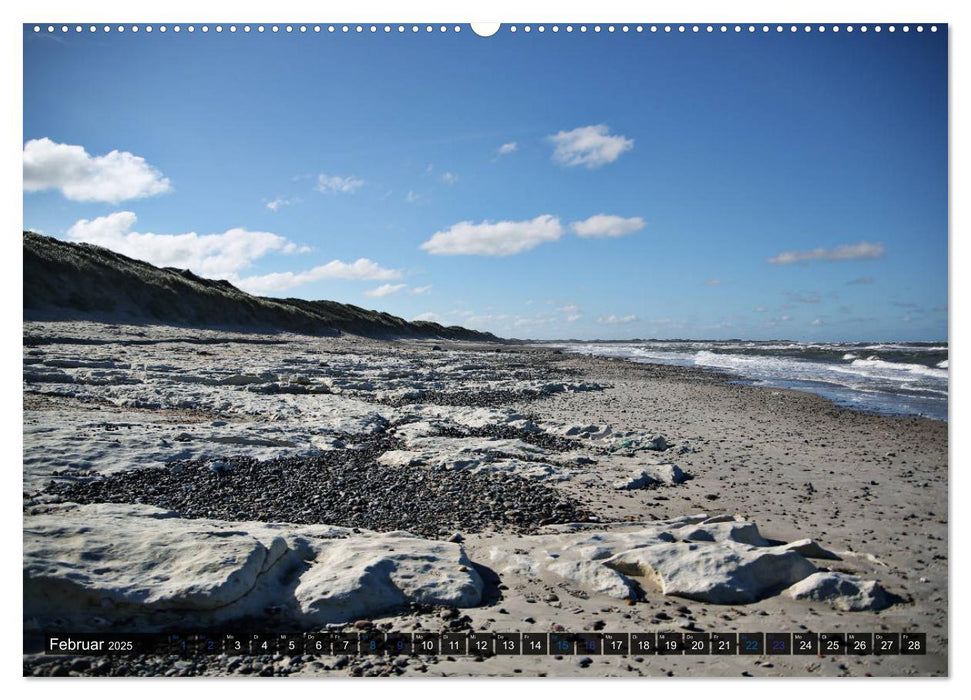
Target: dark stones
(347,488)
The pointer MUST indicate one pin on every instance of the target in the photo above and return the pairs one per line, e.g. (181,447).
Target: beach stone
(669,474)
(638,479)
(842,591)
(658,442)
(650,475)
(724,573)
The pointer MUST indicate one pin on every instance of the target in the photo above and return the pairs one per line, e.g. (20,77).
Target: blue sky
(537,186)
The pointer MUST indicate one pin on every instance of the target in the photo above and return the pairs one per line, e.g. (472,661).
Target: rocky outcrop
(105,566)
(722,560)
(724,572)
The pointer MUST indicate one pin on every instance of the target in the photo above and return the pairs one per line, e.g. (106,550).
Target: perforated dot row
(246,28)
(414,28)
(710,28)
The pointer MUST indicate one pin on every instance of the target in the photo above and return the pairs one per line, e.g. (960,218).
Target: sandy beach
(485,488)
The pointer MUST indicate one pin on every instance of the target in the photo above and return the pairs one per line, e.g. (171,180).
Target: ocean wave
(878,364)
(839,373)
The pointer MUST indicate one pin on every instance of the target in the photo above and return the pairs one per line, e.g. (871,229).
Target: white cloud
(385,290)
(427,316)
(218,256)
(450,178)
(613,319)
(497,239)
(713,283)
(507,148)
(360,269)
(569,309)
(817,322)
(275,204)
(592,146)
(338,183)
(221,255)
(607,226)
(857,251)
(114,177)
(412,196)
(572,318)
(420,290)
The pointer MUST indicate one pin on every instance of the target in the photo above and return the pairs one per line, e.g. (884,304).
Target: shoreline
(870,487)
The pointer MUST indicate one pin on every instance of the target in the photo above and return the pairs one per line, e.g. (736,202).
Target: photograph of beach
(558,350)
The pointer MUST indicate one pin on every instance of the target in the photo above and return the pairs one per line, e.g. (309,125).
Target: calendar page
(522,349)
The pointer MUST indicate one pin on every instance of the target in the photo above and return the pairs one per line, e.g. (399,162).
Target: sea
(886,378)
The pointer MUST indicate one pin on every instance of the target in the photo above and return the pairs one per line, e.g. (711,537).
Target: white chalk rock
(726,530)
(842,591)
(669,474)
(593,576)
(102,564)
(715,572)
(638,479)
(810,550)
(651,474)
(361,576)
(139,557)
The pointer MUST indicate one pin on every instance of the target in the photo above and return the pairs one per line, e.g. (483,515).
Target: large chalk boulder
(102,566)
(842,591)
(715,572)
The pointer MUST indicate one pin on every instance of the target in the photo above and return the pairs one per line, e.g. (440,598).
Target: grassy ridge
(92,282)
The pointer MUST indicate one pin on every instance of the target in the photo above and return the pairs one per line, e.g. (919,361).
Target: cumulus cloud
(420,290)
(614,319)
(607,226)
(816,322)
(385,290)
(220,255)
(337,183)
(496,239)
(360,269)
(858,251)
(507,148)
(591,146)
(412,196)
(114,177)
(450,178)
(427,316)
